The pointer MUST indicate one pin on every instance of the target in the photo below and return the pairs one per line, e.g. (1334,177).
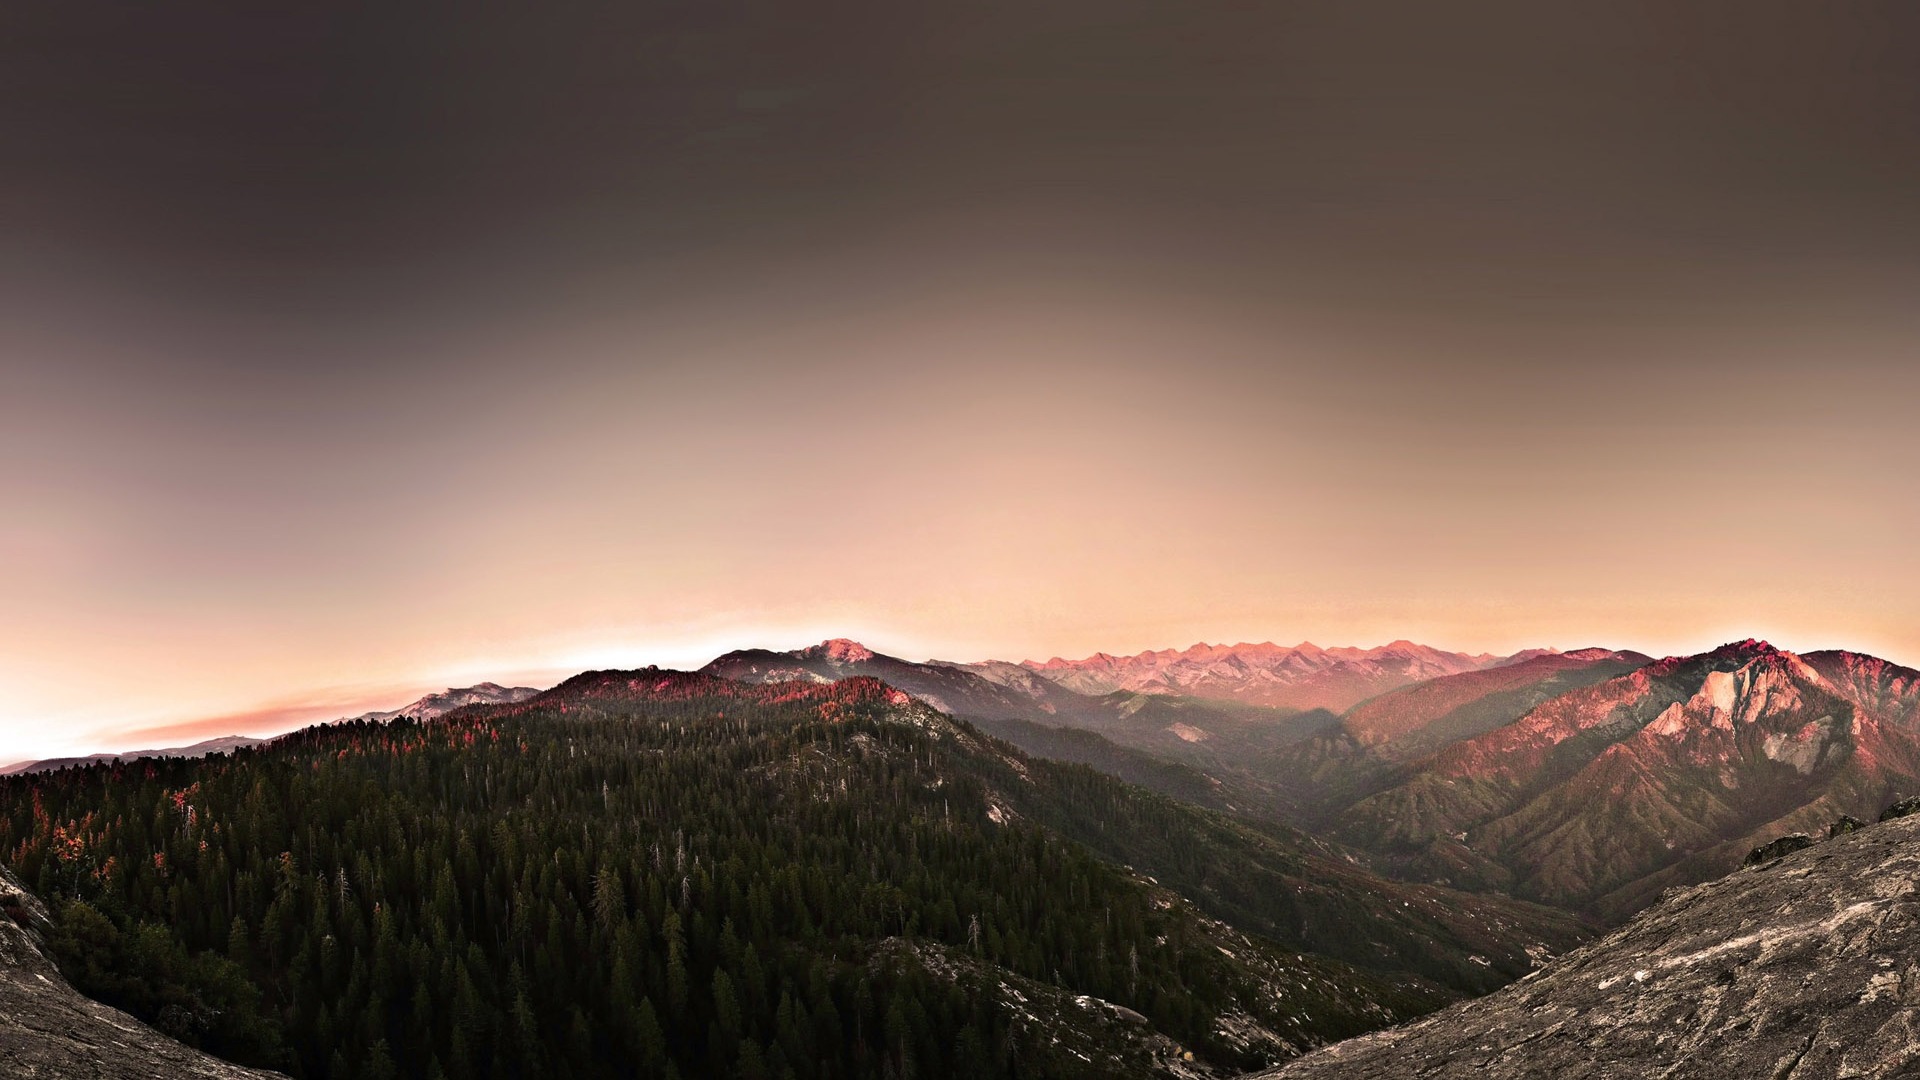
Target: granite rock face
(1805,966)
(47,1030)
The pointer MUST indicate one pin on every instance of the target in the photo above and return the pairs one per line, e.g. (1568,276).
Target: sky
(353,351)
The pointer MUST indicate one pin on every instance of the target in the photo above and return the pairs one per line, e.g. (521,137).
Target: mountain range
(1589,779)
(1297,678)
(1175,744)
(1303,676)
(1605,795)
(200,749)
(936,900)
(426,708)
(1290,845)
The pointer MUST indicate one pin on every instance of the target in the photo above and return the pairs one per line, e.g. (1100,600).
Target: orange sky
(499,351)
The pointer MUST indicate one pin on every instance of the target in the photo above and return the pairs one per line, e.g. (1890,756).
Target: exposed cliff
(1801,966)
(47,1030)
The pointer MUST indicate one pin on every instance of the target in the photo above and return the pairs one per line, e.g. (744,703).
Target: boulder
(1774,849)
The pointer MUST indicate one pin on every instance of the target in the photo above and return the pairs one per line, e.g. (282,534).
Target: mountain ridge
(426,707)
(1607,793)
(1304,676)
(1015,703)
(218,745)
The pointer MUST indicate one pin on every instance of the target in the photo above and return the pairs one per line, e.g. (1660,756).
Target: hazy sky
(352,351)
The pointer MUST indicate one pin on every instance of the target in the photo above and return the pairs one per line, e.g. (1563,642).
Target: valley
(1589,780)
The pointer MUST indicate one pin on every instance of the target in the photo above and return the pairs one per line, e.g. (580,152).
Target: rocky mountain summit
(1799,966)
(48,1030)
(486,693)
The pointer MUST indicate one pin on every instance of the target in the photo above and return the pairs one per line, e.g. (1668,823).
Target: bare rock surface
(47,1030)
(1807,966)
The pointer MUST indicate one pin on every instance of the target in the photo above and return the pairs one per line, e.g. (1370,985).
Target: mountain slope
(1604,795)
(1325,764)
(1800,967)
(1426,716)
(652,867)
(48,1030)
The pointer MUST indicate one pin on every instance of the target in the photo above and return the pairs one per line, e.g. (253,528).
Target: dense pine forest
(653,874)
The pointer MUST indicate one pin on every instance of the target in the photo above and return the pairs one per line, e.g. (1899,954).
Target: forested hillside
(658,874)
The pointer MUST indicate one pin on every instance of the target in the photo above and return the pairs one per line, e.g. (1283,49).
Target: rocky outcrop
(1903,808)
(1799,967)
(1778,849)
(47,1030)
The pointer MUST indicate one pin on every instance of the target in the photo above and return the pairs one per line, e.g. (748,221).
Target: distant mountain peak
(1748,647)
(453,697)
(841,650)
(1591,652)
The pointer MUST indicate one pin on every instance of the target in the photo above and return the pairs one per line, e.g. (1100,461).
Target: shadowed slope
(1797,967)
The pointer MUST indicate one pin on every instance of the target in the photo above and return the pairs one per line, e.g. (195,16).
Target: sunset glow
(955,350)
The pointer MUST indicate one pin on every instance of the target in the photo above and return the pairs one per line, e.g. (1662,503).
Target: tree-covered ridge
(637,874)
